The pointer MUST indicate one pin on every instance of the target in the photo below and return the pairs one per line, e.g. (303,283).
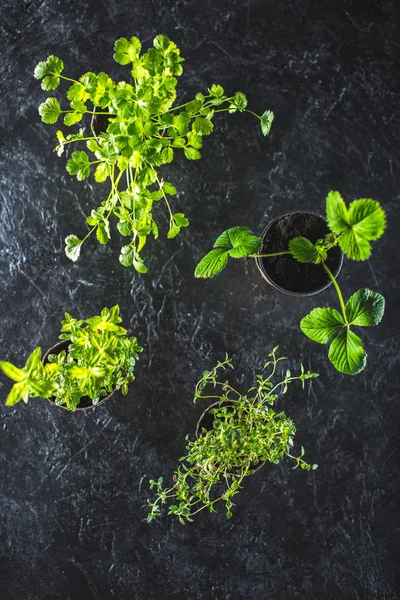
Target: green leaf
(167,155)
(19,391)
(73,247)
(305,251)
(103,232)
(127,51)
(239,242)
(212,263)
(139,265)
(238,102)
(102,171)
(322,324)
(79,165)
(363,221)
(71,118)
(12,372)
(347,354)
(126,256)
(173,232)
(202,126)
(169,188)
(192,153)
(181,220)
(124,227)
(216,90)
(365,308)
(50,110)
(34,360)
(50,70)
(266,121)
(336,212)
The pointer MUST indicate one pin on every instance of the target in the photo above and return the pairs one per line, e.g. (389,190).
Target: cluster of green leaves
(144,131)
(246,432)
(352,228)
(100,358)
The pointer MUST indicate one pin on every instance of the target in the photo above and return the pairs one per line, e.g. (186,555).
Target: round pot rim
(207,410)
(53,350)
(264,274)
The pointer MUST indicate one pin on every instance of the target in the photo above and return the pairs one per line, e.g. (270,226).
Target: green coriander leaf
(103,170)
(365,308)
(238,102)
(212,263)
(202,126)
(192,153)
(216,90)
(78,92)
(266,121)
(347,354)
(73,247)
(194,140)
(126,51)
(79,165)
(305,251)
(50,110)
(179,142)
(139,265)
(322,324)
(50,71)
(71,118)
(193,107)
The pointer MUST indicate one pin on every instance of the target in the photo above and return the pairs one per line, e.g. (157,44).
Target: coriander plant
(352,228)
(143,131)
(246,432)
(100,359)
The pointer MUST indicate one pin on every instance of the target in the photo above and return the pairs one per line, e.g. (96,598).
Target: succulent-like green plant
(100,358)
(143,130)
(245,433)
(352,229)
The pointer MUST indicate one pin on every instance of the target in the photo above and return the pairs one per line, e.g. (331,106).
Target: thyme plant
(100,358)
(245,433)
(352,228)
(144,130)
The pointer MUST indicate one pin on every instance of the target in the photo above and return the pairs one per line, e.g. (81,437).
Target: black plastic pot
(285,273)
(85,402)
(206,422)
(99,123)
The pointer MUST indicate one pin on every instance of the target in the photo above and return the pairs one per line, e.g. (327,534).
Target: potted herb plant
(135,128)
(95,359)
(284,260)
(235,436)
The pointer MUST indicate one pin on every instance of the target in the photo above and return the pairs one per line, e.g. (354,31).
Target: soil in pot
(284,272)
(206,422)
(85,402)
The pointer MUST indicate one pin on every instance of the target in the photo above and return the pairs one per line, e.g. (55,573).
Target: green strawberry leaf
(305,251)
(322,324)
(365,308)
(347,354)
(212,263)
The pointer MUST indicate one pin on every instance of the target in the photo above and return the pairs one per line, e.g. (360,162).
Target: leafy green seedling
(143,131)
(100,358)
(246,432)
(352,228)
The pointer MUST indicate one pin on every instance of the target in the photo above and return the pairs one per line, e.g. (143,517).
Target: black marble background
(73,487)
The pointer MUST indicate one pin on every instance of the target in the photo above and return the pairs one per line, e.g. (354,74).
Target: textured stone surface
(73,487)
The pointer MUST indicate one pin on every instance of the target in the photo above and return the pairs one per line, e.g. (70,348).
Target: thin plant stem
(337,288)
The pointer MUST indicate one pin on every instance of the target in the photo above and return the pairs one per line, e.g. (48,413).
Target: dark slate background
(73,487)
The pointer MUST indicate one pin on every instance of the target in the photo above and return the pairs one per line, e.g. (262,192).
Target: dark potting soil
(285,271)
